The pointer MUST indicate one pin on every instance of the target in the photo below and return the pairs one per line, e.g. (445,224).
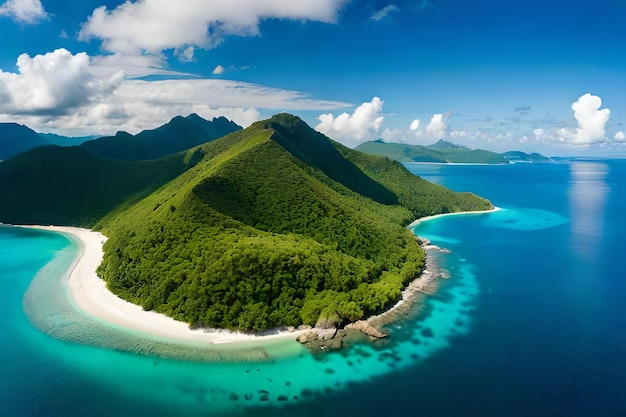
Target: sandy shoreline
(460,213)
(90,295)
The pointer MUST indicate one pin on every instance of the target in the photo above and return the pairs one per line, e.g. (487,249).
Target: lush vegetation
(70,186)
(519,156)
(441,152)
(272,225)
(265,232)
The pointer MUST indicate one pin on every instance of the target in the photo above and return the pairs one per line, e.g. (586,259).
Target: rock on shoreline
(366,328)
(326,336)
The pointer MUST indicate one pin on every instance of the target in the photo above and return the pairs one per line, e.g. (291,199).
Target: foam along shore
(91,295)
(459,213)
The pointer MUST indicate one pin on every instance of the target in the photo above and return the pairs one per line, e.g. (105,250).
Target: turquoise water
(72,376)
(530,323)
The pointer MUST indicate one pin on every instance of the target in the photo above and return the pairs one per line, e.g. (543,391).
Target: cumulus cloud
(591,122)
(157,25)
(436,128)
(218,70)
(108,118)
(415,135)
(187,55)
(74,94)
(351,129)
(619,136)
(28,12)
(384,12)
(54,83)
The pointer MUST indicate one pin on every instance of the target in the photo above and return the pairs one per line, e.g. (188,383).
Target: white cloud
(591,122)
(187,55)
(218,70)
(134,66)
(384,12)
(459,134)
(75,95)
(219,93)
(108,118)
(361,126)
(157,25)
(54,83)
(619,136)
(436,128)
(392,135)
(24,11)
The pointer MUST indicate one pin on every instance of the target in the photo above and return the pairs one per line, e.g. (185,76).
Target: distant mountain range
(445,152)
(178,134)
(16,138)
(272,225)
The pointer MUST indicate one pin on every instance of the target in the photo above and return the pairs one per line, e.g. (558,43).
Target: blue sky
(545,76)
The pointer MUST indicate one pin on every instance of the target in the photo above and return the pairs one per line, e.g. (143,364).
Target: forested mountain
(16,138)
(445,152)
(277,225)
(178,134)
(272,225)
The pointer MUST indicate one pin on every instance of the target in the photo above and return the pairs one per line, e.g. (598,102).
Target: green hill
(272,228)
(440,152)
(178,134)
(70,186)
(272,225)
(519,156)
(16,138)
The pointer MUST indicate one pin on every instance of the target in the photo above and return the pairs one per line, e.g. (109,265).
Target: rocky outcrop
(320,340)
(366,328)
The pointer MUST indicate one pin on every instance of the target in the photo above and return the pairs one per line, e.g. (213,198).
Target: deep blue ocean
(532,322)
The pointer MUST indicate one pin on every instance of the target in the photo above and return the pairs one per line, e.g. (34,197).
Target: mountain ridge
(294,245)
(16,138)
(445,152)
(178,134)
(250,231)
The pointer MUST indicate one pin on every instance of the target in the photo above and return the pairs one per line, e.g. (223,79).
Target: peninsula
(274,225)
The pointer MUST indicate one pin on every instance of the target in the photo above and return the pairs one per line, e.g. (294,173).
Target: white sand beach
(460,213)
(91,295)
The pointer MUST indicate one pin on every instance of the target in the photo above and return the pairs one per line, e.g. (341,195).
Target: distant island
(446,152)
(273,225)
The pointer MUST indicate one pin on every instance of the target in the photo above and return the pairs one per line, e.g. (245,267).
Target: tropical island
(273,225)
(444,152)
